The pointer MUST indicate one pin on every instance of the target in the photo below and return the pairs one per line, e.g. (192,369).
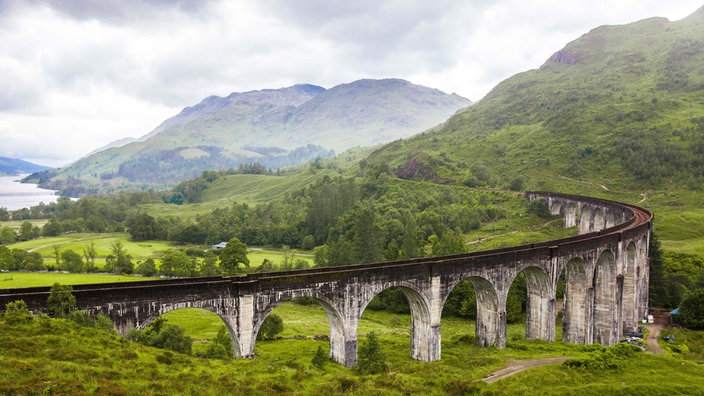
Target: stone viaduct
(605,268)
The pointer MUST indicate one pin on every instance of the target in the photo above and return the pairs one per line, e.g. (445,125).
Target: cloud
(91,72)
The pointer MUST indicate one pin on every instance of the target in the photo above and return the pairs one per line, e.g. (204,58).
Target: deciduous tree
(232,255)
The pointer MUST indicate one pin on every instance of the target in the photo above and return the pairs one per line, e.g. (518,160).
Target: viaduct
(605,268)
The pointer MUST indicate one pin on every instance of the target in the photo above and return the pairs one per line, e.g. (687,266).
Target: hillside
(276,128)
(620,107)
(12,167)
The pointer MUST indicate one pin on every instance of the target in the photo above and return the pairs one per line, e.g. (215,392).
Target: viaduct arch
(605,269)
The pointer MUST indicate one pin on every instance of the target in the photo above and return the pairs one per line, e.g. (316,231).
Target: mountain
(12,167)
(275,127)
(620,107)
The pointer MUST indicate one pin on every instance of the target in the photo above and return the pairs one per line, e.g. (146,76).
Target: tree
(371,357)
(368,240)
(57,256)
(209,265)
(147,268)
(90,253)
(26,231)
(449,243)
(34,262)
(658,293)
(72,261)
(120,261)
(272,326)
(144,227)
(177,263)
(7,259)
(7,236)
(232,255)
(691,310)
(61,301)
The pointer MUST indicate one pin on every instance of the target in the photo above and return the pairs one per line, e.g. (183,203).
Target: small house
(219,246)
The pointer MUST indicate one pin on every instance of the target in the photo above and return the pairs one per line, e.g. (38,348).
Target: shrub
(371,357)
(60,301)
(16,312)
(272,326)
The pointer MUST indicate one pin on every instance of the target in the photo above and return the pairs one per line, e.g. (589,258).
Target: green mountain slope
(621,108)
(276,128)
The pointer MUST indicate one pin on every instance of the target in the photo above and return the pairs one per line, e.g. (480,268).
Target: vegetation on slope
(620,107)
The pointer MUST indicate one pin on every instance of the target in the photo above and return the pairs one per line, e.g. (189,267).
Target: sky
(76,75)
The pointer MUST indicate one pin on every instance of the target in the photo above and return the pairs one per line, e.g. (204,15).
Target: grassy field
(77,242)
(11,280)
(249,189)
(59,357)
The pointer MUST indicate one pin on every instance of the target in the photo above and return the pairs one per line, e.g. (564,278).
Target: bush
(61,301)
(16,313)
(161,334)
(371,357)
(612,358)
(272,326)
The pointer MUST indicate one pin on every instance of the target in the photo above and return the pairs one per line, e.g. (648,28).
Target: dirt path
(661,320)
(516,366)
(652,339)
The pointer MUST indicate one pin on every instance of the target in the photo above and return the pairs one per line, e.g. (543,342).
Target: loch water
(15,195)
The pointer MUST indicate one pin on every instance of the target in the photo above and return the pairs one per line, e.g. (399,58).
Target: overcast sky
(78,74)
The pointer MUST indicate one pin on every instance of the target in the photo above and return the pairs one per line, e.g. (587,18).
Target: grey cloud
(121,11)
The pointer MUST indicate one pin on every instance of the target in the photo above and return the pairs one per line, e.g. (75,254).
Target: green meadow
(55,356)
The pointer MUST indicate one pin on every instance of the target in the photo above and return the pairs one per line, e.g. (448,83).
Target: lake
(15,195)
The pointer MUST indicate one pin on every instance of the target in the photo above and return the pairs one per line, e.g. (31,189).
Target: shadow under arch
(489,320)
(574,318)
(335,321)
(607,300)
(424,330)
(540,305)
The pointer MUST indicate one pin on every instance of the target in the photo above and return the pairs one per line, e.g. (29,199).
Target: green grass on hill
(51,356)
(11,280)
(249,189)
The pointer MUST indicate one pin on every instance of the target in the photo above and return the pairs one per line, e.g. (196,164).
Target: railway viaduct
(605,268)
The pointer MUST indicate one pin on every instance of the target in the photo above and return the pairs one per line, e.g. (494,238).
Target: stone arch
(335,321)
(598,220)
(570,213)
(425,334)
(574,317)
(607,292)
(630,293)
(585,219)
(540,306)
(166,308)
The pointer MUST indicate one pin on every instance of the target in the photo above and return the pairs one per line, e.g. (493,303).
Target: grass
(103,242)
(10,280)
(59,357)
(249,189)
